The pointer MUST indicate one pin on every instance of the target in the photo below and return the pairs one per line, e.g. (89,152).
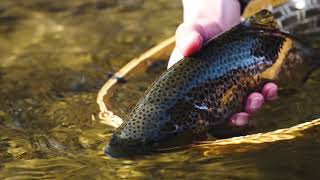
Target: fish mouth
(123,148)
(118,152)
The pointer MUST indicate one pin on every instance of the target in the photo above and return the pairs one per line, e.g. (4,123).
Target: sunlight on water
(56,55)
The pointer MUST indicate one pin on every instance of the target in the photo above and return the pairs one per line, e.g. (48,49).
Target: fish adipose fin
(263,18)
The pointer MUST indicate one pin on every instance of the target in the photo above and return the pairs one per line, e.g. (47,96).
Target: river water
(56,55)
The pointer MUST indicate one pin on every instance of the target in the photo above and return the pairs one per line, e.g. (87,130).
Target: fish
(200,93)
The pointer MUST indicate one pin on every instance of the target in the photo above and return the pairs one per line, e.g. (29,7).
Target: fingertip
(254,102)
(270,91)
(240,119)
(188,39)
(190,44)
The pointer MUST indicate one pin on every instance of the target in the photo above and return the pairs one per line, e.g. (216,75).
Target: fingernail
(271,93)
(240,119)
(255,104)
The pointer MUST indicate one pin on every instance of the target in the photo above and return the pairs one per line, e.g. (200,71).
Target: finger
(188,41)
(202,21)
(254,102)
(239,119)
(207,13)
(189,38)
(270,91)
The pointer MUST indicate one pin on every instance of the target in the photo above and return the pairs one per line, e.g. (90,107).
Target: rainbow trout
(201,92)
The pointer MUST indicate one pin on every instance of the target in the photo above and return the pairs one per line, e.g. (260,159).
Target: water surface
(54,58)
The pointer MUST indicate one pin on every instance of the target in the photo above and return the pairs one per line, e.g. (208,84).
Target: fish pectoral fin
(228,131)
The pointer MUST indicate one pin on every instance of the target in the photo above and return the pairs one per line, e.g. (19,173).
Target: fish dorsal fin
(263,18)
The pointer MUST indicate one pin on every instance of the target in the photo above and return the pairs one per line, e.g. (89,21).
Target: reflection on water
(55,55)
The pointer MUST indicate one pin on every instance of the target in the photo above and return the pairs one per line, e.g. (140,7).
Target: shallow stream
(56,55)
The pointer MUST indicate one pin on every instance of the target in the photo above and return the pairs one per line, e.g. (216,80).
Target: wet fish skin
(204,90)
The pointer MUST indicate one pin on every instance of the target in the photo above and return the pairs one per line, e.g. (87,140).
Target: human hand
(202,20)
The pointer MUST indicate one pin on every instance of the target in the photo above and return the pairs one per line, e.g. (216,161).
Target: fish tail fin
(311,58)
(315,56)
(263,18)
(315,62)
(308,51)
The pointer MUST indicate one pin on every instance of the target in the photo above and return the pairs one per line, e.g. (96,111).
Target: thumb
(203,20)
(189,39)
